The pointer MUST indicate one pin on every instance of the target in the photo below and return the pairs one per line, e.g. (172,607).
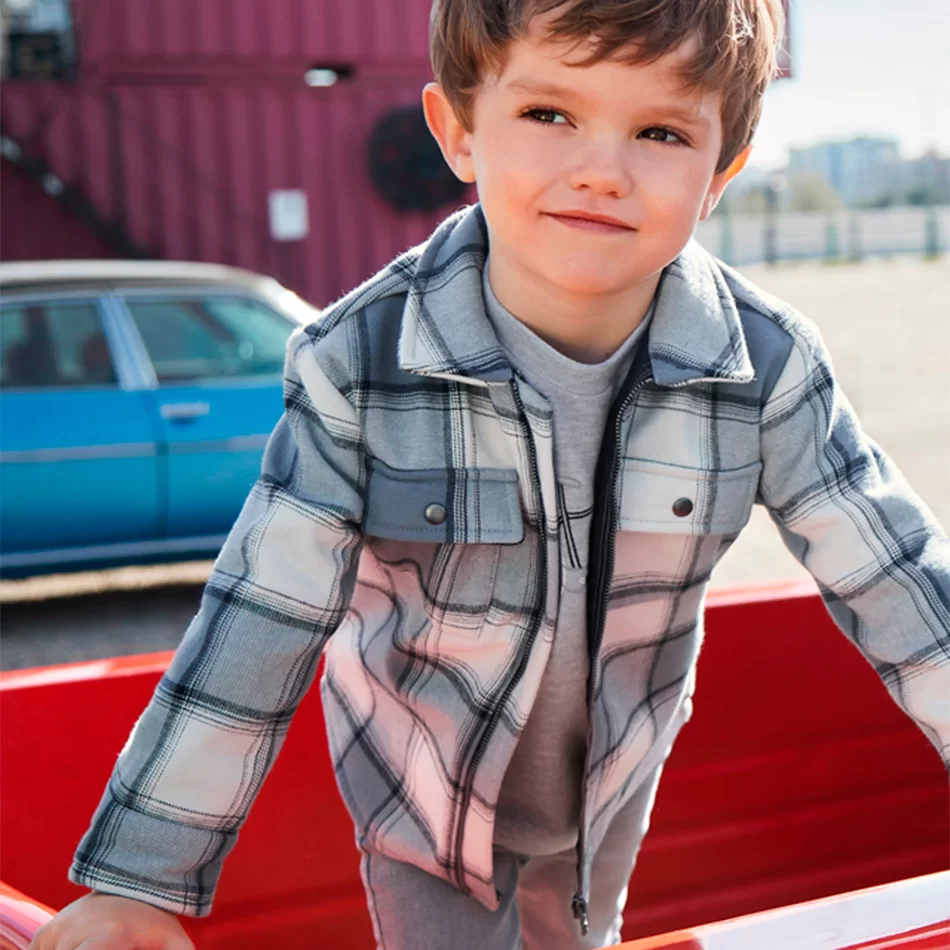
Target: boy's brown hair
(737,42)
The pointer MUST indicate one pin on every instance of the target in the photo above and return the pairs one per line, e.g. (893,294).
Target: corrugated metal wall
(117,32)
(187,113)
(33,226)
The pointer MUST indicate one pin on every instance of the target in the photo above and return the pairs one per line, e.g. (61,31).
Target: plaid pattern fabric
(406,520)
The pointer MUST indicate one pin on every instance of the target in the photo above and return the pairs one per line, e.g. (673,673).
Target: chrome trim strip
(239,443)
(101,552)
(133,346)
(77,294)
(226,383)
(61,390)
(81,453)
(88,453)
(185,291)
(183,410)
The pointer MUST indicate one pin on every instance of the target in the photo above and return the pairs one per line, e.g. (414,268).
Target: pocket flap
(476,506)
(670,499)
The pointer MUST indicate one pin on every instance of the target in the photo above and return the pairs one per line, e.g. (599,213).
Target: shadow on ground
(94,626)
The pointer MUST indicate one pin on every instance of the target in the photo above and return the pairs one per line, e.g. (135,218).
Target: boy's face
(551,140)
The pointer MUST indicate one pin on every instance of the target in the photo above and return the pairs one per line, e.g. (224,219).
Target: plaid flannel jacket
(406,520)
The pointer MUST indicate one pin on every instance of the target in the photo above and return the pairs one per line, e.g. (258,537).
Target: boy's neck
(585,328)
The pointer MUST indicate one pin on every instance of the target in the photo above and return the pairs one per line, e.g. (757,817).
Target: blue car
(135,402)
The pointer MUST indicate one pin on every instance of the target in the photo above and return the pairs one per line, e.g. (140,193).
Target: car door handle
(184,411)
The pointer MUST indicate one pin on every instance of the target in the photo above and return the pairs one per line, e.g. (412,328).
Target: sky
(861,67)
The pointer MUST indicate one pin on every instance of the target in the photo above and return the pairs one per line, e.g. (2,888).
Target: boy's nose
(603,171)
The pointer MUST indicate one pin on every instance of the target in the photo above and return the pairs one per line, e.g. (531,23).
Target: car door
(78,449)
(218,358)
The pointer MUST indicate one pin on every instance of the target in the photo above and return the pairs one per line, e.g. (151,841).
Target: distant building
(924,180)
(861,171)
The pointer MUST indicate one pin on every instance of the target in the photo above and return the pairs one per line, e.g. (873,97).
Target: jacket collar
(696,333)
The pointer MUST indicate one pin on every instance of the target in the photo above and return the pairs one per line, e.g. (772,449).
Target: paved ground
(72,617)
(886,324)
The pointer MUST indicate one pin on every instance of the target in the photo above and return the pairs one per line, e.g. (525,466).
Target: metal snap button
(682,507)
(435,514)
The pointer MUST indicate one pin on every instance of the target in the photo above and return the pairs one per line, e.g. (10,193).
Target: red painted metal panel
(936,937)
(51,231)
(796,746)
(197,165)
(365,30)
(20,918)
(300,835)
(186,115)
(892,911)
(911,914)
(797,778)
(115,33)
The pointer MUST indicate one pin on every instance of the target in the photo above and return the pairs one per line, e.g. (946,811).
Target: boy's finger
(120,943)
(44,939)
(105,943)
(100,943)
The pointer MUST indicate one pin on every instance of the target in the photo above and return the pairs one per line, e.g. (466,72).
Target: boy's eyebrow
(541,88)
(534,87)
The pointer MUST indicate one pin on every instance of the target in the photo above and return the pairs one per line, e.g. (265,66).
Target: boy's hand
(108,922)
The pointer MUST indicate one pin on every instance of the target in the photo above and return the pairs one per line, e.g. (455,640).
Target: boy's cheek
(504,198)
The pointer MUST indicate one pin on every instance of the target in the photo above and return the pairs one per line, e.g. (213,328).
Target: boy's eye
(545,116)
(660,134)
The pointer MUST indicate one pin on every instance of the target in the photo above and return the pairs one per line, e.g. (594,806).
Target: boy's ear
(455,142)
(718,185)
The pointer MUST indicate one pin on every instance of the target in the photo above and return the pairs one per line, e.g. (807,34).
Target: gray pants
(412,910)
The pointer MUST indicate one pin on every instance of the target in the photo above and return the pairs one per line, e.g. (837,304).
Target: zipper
(518,672)
(601,570)
(579,909)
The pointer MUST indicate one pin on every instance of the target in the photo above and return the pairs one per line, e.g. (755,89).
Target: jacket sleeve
(282,583)
(846,513)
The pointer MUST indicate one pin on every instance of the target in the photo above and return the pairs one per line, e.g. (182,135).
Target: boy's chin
(594,280)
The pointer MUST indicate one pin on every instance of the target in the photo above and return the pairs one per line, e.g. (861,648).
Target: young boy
(508,465)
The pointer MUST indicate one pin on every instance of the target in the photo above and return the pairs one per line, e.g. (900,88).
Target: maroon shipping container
(184,115)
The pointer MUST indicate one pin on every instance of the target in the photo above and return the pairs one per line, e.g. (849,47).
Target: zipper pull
(579,907)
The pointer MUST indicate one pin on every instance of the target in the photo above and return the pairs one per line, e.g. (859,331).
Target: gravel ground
(886,324)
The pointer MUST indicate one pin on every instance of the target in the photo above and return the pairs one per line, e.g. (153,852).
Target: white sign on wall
(289,218)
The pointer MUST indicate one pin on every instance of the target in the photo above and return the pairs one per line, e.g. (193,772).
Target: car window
(53,345)
(199,337)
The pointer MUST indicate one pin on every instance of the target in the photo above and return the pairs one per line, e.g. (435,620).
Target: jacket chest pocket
(670,499)
(442,532)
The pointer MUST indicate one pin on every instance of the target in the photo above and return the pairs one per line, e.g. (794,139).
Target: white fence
(743,239)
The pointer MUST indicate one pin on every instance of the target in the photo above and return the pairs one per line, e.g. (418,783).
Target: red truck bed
(798,778)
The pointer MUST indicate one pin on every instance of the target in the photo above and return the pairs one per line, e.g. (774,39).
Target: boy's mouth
(589,221)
